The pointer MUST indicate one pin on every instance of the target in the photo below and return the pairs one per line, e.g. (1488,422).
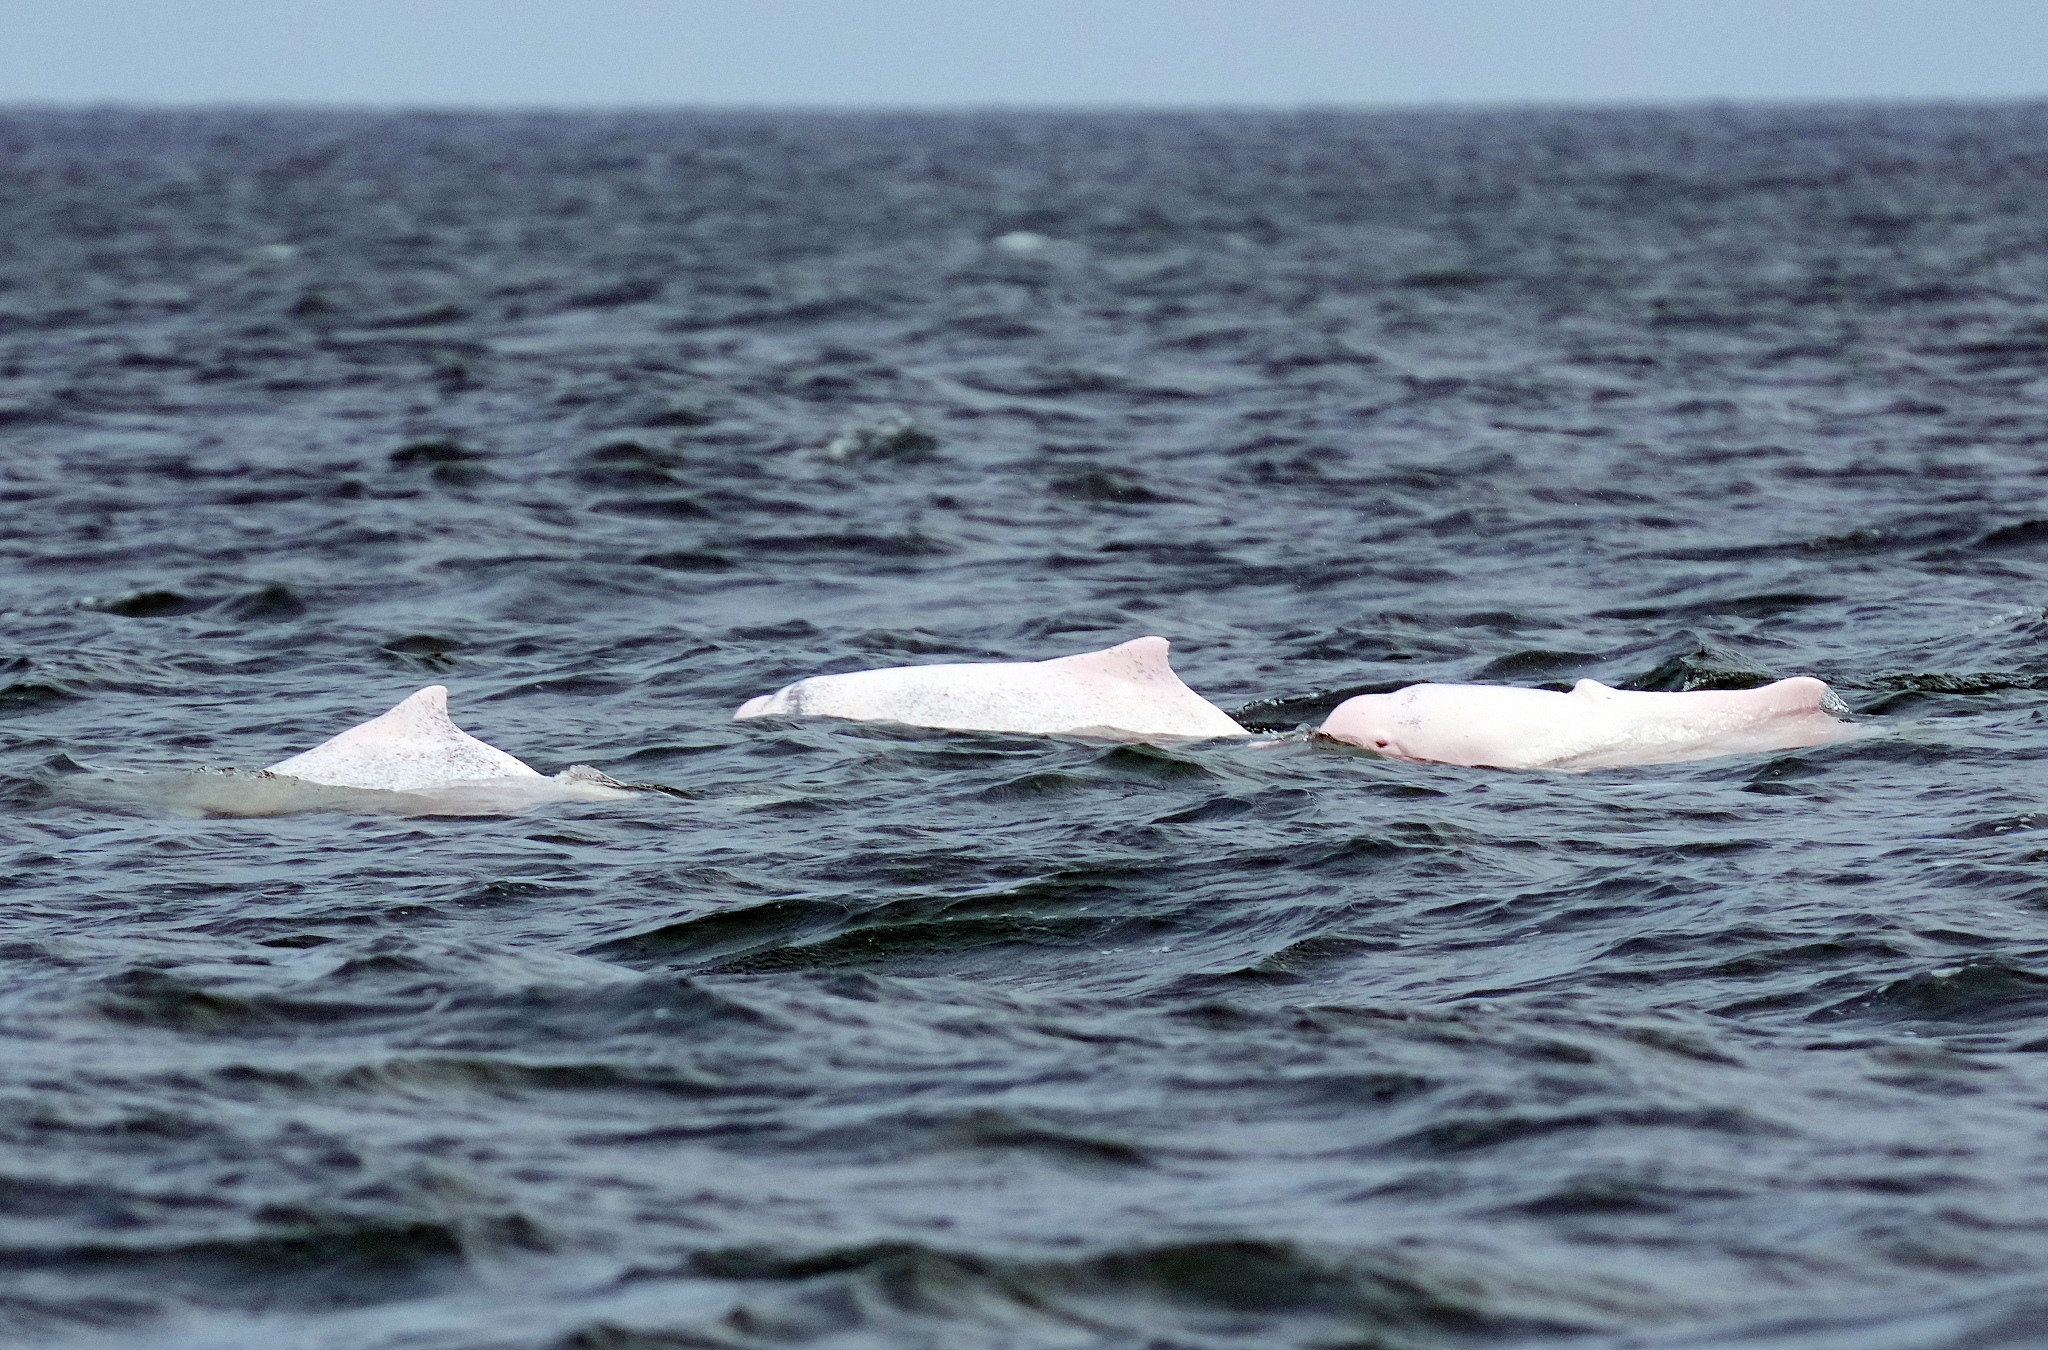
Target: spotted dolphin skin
(1591,727)
(1124,692)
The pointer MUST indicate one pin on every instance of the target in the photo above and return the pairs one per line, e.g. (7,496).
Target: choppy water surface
(870,1036)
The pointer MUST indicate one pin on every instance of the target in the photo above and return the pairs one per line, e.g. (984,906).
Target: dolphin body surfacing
(415,745)
(1125,692)
(418,750)
(1592,727)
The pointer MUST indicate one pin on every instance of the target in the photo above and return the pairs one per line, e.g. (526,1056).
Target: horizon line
(1595,104)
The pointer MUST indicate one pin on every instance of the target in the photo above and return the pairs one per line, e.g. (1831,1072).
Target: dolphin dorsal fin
(424,708)
(1141,660)
(413,746)
(1802,693)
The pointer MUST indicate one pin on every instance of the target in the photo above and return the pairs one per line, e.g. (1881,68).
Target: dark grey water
(871,1036)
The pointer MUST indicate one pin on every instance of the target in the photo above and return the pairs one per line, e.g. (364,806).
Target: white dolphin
(417,749)
(1592,727)
(1124,692)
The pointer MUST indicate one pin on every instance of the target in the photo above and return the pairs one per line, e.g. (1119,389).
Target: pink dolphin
(417,748)
(1124,692)
(1592,727)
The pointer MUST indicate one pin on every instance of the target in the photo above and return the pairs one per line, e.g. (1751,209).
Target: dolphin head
(1367,720)
(756,707)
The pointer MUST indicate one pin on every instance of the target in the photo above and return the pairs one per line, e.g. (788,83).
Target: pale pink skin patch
(1125,692)
(1591,727)
(417,748)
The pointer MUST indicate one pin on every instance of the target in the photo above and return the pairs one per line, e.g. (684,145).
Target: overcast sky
(581,53)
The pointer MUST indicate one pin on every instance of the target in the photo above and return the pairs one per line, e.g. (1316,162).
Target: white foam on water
(258,792)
